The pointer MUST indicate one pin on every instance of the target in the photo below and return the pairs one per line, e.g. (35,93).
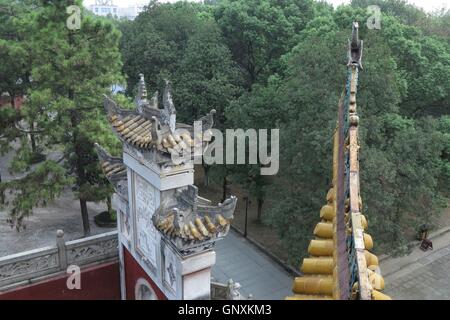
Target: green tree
(16,59)
(256,109)
(400,177)
(155,42)
(425,63)
(206,78)
(72,69)
(258,32)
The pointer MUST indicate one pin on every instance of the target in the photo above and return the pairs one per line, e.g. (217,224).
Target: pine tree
(71,70)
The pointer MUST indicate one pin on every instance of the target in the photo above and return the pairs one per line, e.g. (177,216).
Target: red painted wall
(133,271)
(99,282)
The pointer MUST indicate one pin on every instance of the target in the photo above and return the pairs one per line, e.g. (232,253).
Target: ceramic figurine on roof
(169,113)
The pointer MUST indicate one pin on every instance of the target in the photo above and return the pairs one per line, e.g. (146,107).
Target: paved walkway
(420,275)
(258,274)
(41,227)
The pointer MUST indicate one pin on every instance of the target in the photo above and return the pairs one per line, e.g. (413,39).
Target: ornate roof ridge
(148,127)
(340,265)
(114,170)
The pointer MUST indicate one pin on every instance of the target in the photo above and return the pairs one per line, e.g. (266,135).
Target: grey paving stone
(429,281)
(257,273)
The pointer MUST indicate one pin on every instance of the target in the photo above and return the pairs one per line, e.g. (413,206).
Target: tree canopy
(70,70)
(260,64)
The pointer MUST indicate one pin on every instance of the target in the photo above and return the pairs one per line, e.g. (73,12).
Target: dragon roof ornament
(149,128)
(355,47)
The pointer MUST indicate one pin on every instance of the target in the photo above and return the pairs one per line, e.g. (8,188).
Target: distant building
(107,7)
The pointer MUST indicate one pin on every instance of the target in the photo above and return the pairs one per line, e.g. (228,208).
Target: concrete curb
(292,271)
(295,273)
(433,235)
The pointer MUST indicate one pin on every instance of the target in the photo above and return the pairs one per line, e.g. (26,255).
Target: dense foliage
(272,64)
(66,72)
(281,64)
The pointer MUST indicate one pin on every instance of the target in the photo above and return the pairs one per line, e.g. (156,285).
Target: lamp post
(246,216)
(2,195)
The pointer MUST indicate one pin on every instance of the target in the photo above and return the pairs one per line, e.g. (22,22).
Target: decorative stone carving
(228,291)
(28,266)
(145,206)
(233,290)
(83,252)
(47,261)
(143,290)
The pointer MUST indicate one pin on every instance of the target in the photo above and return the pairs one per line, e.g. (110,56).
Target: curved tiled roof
(149,127)
(340,264)
(114,170)
(189,220)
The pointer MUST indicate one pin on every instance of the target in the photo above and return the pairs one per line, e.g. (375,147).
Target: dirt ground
(259,232)
(41,227)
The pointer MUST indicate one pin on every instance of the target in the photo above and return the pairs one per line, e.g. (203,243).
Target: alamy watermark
(74,280)
(235,147)
(374,21)
(73,22)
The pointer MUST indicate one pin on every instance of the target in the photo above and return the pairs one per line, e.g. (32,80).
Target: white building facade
(107,7)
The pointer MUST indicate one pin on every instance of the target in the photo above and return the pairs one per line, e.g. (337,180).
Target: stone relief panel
(170,272)
(125,227)
(79,254)
(145,205)
(28,266)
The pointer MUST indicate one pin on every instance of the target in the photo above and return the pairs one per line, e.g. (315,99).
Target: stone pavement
(258,274)
(41,227)
(420,275)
